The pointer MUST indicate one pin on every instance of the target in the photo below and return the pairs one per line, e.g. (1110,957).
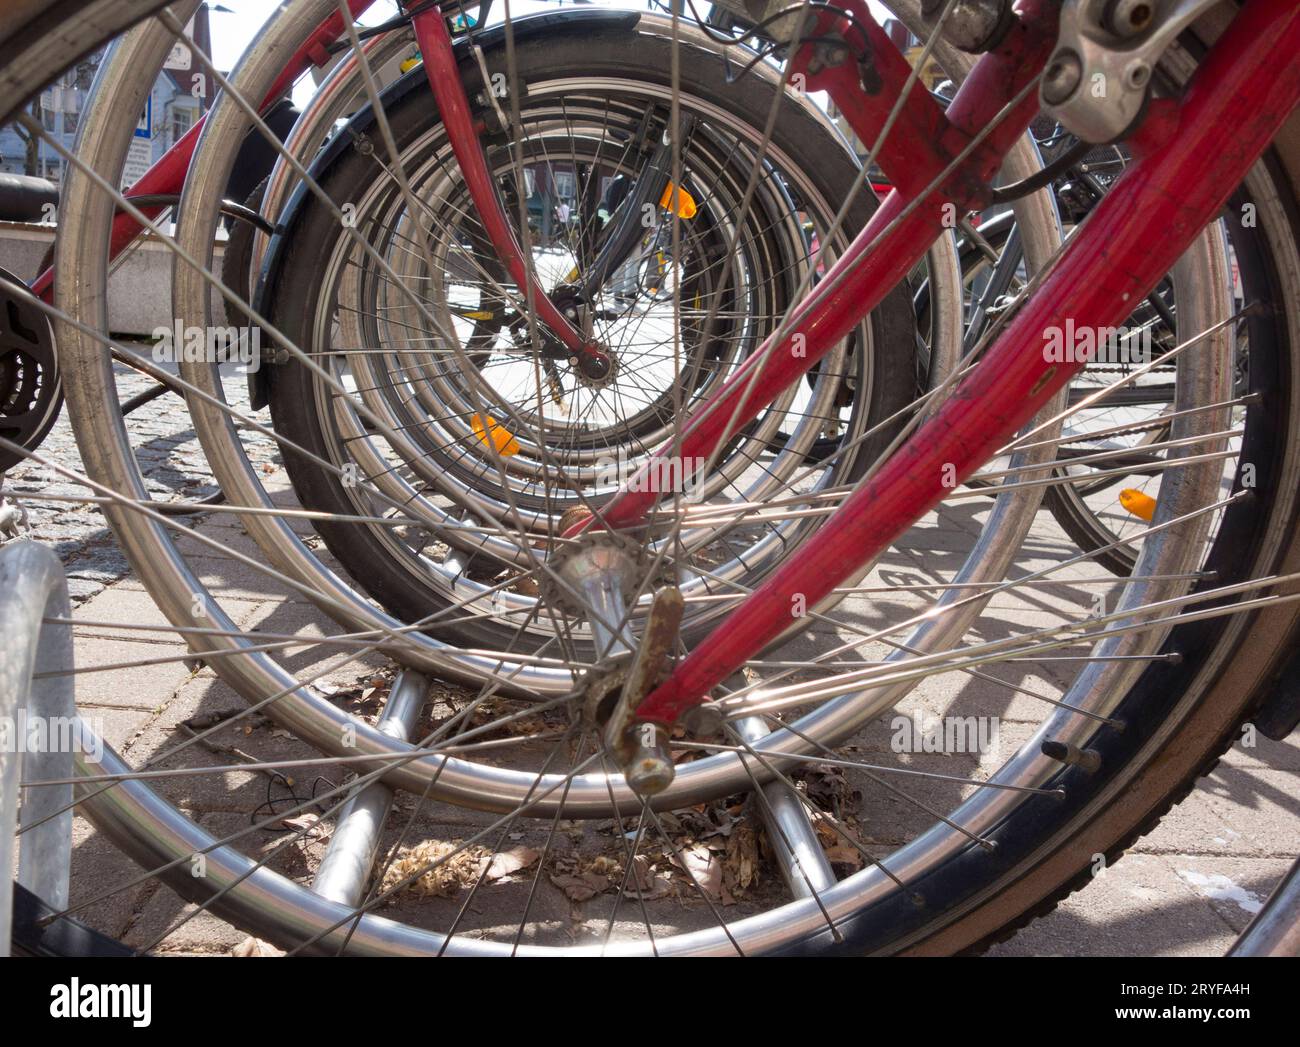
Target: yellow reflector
(1139,504)
(685,202)
(506,444)
(478,315)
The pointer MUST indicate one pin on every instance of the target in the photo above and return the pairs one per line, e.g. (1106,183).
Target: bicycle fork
(1184,171)
(585,353)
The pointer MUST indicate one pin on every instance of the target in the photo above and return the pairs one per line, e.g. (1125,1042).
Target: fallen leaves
(740,863)
(582,880)
(504,863)
(445,866)
(309,826)
(828,788)
(255,947)
(509,718)
(440,868)
(645,882)
(835,839)
(846,859)
(715,851)
(580,887)
(705,870)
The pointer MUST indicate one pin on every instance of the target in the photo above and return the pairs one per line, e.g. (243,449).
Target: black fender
(570,21)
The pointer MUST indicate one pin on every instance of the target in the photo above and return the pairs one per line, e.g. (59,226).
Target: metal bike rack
(1275,930)
(790,834)
(32,588)
(354,845)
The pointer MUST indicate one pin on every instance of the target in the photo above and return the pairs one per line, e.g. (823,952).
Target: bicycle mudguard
(577,20)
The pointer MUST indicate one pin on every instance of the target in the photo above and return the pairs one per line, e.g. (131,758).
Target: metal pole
(1275,930)
(790,833)
(39,724)
(343,875)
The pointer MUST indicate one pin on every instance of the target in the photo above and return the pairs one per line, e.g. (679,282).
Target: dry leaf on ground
(740,864)
(580,887)
(705,869)
(255,947)
(645,883)
(844,855)
(310,825)
(506,862)
(828,788)
(442,868)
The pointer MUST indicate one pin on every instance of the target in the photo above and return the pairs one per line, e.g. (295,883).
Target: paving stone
(1139,906)
(82,589)
(138,687)
(129,613)
(230,579)
(102,564)
(1262,804)
(98,868)
(1197,826)
(130,607)
(116,726)
(186,927)
(1281,756)
(1234,888)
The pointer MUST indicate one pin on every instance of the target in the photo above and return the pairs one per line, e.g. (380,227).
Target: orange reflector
(1139,504)
(505,443)
(685,202)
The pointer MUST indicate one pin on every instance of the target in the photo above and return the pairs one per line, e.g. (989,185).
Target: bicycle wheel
(1111,427)
(940,886)
(593,434)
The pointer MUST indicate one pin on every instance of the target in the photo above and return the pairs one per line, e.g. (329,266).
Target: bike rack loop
(32,588)
(1275,930)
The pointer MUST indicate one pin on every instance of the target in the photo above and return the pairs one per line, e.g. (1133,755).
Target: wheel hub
(597,365)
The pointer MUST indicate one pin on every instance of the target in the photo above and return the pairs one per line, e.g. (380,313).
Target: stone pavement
(1186,889)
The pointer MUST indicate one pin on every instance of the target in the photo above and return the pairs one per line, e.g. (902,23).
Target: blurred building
(179,98)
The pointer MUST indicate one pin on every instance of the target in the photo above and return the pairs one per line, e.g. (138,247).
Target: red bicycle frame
(1185,167)
(443,72)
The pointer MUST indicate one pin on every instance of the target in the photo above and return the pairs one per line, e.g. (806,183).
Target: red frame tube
(875,261)
(440,66)
(1184,171)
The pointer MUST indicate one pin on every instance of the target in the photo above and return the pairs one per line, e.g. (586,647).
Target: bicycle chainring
(31,392)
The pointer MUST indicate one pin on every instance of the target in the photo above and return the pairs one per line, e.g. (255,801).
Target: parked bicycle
(637,493)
